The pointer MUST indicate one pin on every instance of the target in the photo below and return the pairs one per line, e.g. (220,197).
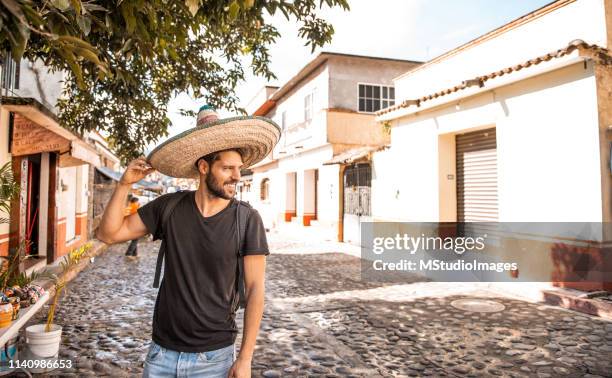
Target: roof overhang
(265,108)
(354,155)
(576,51)
(45,127)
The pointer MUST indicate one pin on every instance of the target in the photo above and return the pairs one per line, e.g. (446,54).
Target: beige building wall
(355,128)
(346,73)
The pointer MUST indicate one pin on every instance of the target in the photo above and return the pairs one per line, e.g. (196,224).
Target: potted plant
(9,189)
(43,340)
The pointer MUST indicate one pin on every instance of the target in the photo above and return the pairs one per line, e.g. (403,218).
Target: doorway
(357,184)
(32,206)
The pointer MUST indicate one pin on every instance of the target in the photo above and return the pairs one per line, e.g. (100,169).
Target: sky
(403,29)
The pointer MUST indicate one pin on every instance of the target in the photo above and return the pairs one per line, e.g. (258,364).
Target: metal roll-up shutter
(477,176)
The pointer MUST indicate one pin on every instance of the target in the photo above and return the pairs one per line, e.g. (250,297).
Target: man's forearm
(252,320)
(113,213)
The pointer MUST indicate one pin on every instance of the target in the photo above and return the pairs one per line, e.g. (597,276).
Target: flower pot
(7,353)
(6,317)
(43,344)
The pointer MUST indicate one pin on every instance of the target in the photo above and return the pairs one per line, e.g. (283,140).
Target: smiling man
(194,326)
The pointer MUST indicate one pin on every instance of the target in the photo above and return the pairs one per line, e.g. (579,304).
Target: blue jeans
(162,362)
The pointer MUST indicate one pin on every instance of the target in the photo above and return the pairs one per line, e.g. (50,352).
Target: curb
(571,301)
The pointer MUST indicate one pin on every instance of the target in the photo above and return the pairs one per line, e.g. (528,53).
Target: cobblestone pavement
(321,320)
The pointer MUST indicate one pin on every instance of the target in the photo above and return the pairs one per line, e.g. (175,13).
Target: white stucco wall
(38,82)
(82,172)
(67,204)
(308,134)
(547,145)
(328,195)
(273,210)
(583,19)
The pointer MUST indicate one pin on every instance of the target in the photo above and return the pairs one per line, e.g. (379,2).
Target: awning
(352,155)
(36,129)
(116,176)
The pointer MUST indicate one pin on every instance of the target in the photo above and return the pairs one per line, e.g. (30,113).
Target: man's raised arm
(114,226)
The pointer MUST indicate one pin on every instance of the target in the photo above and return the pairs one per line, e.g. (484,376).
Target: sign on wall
(30,138)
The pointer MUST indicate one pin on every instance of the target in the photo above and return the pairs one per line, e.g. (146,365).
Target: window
(264,189)
(10,72)
(372,98)
(308,106)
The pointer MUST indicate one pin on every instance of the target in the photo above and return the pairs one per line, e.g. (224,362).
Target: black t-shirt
(195,307)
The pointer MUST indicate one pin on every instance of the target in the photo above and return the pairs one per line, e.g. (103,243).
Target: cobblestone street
(322,320)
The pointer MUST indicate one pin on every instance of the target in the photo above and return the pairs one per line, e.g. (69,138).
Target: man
(193,324)
(132,250)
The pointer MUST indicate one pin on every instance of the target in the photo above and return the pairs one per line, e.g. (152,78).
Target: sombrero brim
(254,136)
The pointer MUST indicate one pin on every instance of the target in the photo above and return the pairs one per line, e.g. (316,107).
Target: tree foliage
(127,58)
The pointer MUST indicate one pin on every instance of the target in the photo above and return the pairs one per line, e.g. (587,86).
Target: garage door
(477,176)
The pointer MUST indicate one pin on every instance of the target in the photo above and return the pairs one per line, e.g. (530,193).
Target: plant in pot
(9,189)
(43,340)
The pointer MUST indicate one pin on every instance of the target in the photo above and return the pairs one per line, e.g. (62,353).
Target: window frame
(390,101)
(309,106)
(11,73)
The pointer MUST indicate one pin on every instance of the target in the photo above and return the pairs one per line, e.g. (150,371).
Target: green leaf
(84,23)
(74,66)
(234,8)
(14,8)
(128,16)
(193,6)
(20,41)
(61,4)
(88,54)
(76,4)
(77,42)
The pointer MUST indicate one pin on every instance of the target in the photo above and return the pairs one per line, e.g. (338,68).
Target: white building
(513,126)
(325,110)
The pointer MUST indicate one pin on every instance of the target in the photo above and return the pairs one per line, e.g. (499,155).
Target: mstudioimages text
(439,265)
(412,244)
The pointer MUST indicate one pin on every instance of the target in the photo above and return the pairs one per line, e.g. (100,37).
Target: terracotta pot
(6,317)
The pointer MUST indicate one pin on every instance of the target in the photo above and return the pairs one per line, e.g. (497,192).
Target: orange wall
(4,246)
(80,231)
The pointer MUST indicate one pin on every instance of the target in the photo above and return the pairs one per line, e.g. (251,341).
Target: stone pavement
(321,320)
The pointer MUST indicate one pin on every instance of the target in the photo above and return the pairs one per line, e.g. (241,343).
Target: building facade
(325,110)
(52,165)
(510,127)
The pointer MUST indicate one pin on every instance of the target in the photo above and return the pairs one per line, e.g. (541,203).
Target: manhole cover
(478,305)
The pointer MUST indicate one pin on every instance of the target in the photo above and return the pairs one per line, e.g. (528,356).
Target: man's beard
(216,189)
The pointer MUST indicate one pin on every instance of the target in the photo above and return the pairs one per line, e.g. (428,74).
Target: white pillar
(309,197)
(290,196)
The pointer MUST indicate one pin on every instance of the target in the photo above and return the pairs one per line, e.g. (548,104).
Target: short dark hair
(134,199)
(214,156)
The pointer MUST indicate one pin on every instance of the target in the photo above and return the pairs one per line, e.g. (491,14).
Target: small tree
(9,190)
(71,260)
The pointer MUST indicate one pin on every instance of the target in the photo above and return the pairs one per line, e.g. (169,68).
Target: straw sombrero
(254,136)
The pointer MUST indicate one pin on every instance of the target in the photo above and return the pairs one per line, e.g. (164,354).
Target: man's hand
(240,369)
(136,170)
